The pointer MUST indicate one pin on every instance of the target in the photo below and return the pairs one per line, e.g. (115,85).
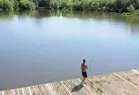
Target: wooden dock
(118,83)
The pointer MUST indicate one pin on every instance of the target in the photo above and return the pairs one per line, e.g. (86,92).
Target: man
(83,69)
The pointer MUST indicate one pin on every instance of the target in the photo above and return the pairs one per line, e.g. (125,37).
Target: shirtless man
(83,69)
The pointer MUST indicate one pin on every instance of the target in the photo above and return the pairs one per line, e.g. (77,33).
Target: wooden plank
(39,90)
(66,88)
(136,71)
(50,89)
(45,90)
(131,77)
(133,90)
(8,92)
(33,90)
(17,92)
(2,93)
(23,92)
(26,91)
(13,92)
(100,86)
(113,85)
(20,91)
(59,89)
(88,88)
(76,88)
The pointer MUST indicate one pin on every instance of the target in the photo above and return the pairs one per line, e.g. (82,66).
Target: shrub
(131,9)
(136,12)
(26,5)
(6,5)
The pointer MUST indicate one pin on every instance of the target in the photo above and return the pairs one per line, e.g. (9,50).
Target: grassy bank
(78,5)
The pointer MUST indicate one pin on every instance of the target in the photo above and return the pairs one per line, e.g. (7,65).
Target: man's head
(84,61)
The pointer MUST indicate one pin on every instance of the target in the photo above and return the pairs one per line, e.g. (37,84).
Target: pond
(40,47)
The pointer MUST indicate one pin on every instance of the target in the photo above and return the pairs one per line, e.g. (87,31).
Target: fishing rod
(90,62)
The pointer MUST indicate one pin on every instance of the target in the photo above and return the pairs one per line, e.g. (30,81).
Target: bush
(136,12)
(44,3)
(79,5)
(6,5)
(69,4)
(131,9)
(15,4)
(26,5)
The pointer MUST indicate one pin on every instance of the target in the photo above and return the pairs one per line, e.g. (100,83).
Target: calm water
(43,47)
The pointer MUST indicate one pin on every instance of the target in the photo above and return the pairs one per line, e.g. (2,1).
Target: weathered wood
(131,76)
(119,83)
(76,88)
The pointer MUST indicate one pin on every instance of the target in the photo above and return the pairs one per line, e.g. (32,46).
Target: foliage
(26,5)
(136,12)
(79,5)
(131,9)
(6,4)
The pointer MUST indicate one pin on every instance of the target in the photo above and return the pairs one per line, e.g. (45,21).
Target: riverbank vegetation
(77,5)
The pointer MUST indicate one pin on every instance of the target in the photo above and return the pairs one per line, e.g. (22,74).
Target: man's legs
(83,80)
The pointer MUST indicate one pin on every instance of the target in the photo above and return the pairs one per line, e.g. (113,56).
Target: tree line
(78,5)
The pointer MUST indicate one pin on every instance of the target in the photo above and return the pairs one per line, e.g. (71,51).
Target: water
(43,47)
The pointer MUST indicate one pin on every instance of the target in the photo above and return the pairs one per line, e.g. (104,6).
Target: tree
(6,5)
(131,9)
(26,5)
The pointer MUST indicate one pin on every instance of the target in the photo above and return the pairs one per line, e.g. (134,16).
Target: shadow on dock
(77,88)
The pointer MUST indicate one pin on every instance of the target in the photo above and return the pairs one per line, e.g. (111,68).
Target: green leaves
(79,5)
(6,5)
(131,9)
(14,4)
(26,4)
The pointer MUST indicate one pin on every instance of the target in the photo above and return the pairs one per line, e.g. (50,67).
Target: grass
(137,69)
(7,92)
